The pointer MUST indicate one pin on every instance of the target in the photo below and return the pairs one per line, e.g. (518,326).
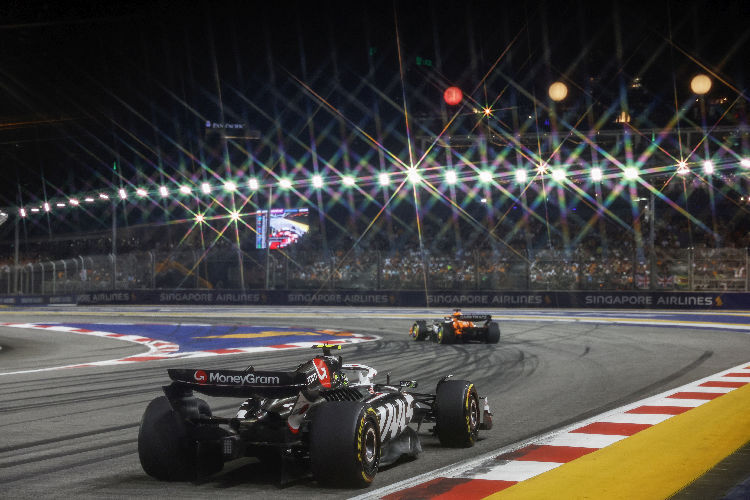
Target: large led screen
(287,225)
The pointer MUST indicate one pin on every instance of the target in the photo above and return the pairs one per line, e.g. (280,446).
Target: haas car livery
(324,419)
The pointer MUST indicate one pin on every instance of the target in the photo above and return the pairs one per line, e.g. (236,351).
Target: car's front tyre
(457,413)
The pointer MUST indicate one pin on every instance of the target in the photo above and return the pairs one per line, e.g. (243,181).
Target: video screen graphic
(287,226)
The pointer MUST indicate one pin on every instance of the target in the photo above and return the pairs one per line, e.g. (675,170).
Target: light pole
(266,237)
(701,85)
(17,239)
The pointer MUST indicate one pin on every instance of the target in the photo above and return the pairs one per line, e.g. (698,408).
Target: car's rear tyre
(446,334)
(457,413)
(165,448)
(203,409)
(344,444)
(493,333)
(419,330)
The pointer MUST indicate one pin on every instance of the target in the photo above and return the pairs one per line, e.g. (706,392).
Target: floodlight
(22,212)
(485,176)
(631,173)
(384,179)
(163,191)
(745,162)
(199,218)
(230,186)
(88,199)
(413,175)
(185,189)
(521,176)
(682,168)
(451,177)
(317,181)
(285,183)
(347,180)
(708,167)
(235,215)
(35,209)
(141,192)
(558,174)
(206,187)
(123,194)
(596,174)
(73,202)
(103,196)
(46,207)
(252,183)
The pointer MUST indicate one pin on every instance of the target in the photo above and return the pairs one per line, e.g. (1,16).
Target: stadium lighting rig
(448,176)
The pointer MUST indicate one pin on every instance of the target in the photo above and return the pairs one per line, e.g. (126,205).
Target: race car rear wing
(472,317)
(233,383)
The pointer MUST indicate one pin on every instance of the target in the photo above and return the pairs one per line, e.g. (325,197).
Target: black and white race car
(457,328)
(324,419)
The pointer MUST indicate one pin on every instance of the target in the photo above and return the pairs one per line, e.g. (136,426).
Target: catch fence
(694,269)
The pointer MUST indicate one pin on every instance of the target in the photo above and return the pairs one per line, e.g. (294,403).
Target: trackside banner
(407,298)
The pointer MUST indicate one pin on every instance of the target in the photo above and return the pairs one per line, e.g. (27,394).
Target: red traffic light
(453,96)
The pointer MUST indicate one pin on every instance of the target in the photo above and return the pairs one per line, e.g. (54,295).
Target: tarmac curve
(73,431)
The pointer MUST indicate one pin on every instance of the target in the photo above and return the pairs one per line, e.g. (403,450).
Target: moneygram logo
(200,376)
(250,378)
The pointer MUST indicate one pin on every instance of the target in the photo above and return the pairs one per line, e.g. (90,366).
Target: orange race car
(458,327)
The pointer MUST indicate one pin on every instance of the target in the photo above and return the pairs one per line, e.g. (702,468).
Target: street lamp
(558,91)
(700,84)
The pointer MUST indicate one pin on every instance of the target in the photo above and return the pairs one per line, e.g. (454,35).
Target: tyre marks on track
(505,468)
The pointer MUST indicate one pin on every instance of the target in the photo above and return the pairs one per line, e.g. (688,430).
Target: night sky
(86,86)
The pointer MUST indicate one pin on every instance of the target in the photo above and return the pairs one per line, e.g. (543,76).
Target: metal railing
(694,269)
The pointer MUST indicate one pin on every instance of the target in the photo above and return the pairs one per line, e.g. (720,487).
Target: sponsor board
(404,298)
(341,298)
(104,298)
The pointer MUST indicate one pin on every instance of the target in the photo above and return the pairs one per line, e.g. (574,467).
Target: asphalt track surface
(73,432)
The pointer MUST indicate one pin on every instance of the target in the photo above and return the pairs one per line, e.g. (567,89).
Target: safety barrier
(445,300)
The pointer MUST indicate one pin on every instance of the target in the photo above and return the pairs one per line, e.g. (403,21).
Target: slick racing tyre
(419,331)
(457,413)
(493,333)
(203,409)
(446,334)
(344,444)
(165,448)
